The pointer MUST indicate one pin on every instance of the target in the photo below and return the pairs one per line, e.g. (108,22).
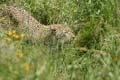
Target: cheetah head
(62,32)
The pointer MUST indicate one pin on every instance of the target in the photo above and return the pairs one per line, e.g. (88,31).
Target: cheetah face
(69,36)
(64,36)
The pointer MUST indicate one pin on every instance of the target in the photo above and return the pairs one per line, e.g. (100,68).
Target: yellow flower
(13,32)
(22,35)
(9,33)
(16,36)
(8,39)
(27,67)
(19,55)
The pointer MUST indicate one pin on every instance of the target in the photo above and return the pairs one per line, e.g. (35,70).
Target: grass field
(94,54)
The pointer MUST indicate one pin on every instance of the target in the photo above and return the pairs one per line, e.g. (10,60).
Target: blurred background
(94,54)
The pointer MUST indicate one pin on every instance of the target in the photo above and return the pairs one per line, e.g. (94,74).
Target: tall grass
(92,55)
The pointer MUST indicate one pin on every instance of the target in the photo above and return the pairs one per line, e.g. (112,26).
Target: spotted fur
(36,30)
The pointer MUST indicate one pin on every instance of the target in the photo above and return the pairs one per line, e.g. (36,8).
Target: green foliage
(93,22)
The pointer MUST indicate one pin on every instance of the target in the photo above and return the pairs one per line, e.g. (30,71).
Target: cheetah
(36,30)
(62,32)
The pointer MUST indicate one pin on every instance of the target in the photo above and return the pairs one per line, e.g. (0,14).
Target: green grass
(93,22)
